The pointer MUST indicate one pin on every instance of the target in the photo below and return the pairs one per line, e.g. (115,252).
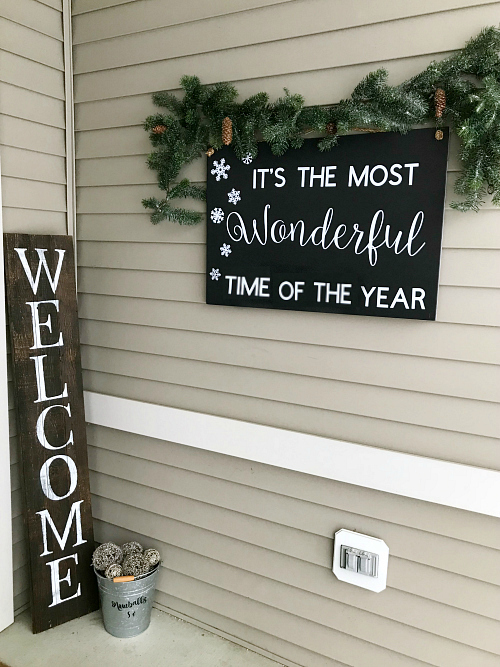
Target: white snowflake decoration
(247,159)
(234,196)
(217,215)
(225,250)
(220,169)
(215,274)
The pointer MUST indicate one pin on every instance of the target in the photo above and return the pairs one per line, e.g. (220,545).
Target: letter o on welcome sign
(45,477)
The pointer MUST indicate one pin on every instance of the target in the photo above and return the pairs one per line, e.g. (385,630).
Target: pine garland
(470,80)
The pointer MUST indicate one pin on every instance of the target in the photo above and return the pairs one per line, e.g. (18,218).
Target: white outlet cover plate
(349,538)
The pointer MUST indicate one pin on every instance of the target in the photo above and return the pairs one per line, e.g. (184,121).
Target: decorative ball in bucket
(126,577)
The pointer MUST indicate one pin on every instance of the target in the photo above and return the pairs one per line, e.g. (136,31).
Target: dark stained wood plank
(43,324)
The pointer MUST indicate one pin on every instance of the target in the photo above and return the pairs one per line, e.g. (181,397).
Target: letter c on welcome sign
(40,427)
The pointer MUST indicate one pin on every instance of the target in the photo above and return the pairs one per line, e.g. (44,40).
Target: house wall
(32,151)
(247,547)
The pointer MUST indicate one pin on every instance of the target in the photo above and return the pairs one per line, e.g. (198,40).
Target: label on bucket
(123,606)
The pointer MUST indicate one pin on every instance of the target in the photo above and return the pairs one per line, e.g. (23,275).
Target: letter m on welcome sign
(47,378)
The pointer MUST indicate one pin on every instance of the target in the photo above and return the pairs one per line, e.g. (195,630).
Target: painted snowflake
(215,274)
(225,250)
(234,196)
(247,159)
(217,215)
(220,169)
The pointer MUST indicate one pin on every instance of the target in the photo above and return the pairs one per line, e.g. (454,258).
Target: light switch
(350,559)
(360,560)
(368,564)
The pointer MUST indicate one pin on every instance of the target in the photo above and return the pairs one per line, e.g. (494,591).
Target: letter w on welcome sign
(46,369)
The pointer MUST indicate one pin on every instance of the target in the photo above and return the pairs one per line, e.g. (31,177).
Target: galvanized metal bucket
(126,606)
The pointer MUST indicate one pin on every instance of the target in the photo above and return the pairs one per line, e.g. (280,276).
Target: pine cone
(439,135)
(210,152)
(159,129)
(227,131)
(439,102)
(331,128)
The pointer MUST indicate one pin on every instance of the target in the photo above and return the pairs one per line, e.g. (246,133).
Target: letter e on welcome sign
(43,323)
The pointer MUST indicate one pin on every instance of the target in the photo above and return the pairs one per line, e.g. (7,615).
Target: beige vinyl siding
(253,545)
(139,263)
(247,548)
(33,152)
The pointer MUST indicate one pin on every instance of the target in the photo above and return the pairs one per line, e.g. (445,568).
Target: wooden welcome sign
(43,322)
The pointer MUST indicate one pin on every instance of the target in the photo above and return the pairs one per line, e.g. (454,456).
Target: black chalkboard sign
(355,230)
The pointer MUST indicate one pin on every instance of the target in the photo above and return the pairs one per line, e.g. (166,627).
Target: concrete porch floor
(168,642)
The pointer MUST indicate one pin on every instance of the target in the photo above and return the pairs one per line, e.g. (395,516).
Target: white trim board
(6,566)
(451,484)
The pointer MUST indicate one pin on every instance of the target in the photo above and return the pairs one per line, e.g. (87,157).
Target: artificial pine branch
(186,189)
(162,210)
(470,80)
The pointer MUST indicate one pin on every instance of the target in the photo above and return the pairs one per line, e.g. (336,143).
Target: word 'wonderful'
(378,236)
